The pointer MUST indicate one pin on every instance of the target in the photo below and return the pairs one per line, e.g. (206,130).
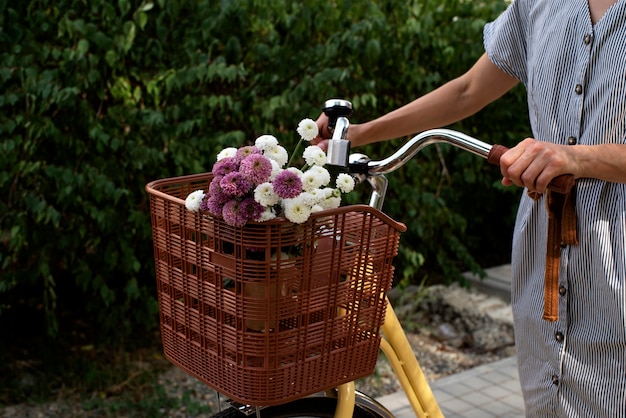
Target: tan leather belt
(561,231)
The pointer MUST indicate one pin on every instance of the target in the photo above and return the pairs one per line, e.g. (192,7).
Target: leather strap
(561,206)
(561,230)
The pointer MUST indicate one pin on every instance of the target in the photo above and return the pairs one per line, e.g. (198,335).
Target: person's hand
(324,134)
(533,164)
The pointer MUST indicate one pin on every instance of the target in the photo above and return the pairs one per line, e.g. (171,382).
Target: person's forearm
(438,108)
(605,162)
(453,101)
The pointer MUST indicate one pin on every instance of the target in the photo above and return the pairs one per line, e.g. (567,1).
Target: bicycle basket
(271,311)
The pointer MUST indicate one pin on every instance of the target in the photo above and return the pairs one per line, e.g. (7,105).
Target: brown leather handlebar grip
(560,184)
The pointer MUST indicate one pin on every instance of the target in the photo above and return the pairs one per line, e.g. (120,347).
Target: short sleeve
(505,40)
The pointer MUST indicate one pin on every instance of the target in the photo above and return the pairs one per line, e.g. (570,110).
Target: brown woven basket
(272,311)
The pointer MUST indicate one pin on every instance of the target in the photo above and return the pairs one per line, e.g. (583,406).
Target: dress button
(555,380)
(562,290)
(587,39)
(578,89)
(559,337)
(572,140)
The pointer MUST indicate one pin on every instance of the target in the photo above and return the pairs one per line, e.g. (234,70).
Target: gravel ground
(450,329)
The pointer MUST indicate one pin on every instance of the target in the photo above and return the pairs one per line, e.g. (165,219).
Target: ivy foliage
(99,97)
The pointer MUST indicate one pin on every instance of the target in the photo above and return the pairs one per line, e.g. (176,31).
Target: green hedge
(97,98)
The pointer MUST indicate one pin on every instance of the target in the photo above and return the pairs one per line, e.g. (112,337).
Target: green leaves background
(97,98)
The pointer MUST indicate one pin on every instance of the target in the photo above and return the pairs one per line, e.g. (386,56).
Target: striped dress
(575,76)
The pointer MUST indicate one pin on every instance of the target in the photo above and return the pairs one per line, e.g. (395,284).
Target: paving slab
(490,390)
(497,281)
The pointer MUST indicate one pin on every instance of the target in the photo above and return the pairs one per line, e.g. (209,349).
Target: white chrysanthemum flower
(226,152)
(266,142)
(316,194)
(345,182)
(296,210)
(310,181)
(275,169)
(295,170)
(331,202)
(314,155)
(312,197)
(308,130)
(329,192)
(332,198)
(264,194)
(278,154)
(321,173)
(316,208)
(267,215)
(194,200)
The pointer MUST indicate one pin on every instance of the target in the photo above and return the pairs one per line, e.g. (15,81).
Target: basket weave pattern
(272,311)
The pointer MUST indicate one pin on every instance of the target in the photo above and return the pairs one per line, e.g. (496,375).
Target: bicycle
(295,348)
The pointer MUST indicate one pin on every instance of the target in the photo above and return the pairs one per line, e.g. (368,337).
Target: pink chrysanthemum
(235,184)
(212,205)
(251,209)
(216,192)
(225,166)
(244,152)
(287,184)
(204,207)
(256,168)
(233,214)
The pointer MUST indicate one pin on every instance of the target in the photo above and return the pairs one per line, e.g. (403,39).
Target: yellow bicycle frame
(398,351)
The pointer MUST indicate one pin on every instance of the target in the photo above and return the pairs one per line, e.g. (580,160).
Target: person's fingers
(323,143)
(532,164)
(321,140)
(322,125)
(507,182)
(510,164)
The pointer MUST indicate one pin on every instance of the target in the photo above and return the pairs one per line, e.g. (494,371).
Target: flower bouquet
(259,183)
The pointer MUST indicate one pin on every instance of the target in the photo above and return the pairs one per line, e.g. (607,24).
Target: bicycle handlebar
(374,171)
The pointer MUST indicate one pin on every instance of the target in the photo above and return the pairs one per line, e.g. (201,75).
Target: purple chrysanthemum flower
(214,185)
(256,168)
(235,184)
(212,205)
(204,207)
(244,152)
(225,166)
(232,213)
(287,185)
(216,192)
(251,209)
